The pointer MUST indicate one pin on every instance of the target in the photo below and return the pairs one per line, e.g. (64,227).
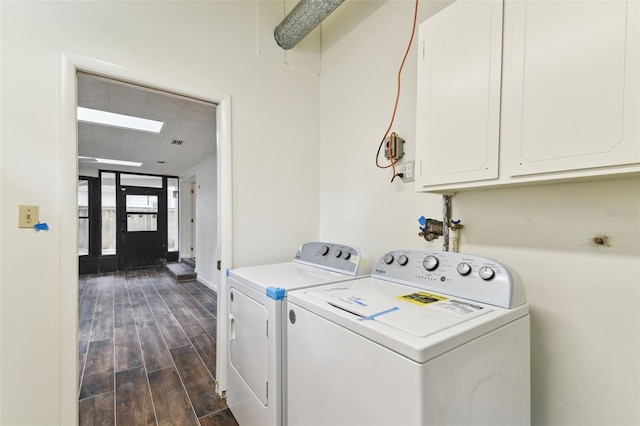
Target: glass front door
(143,224)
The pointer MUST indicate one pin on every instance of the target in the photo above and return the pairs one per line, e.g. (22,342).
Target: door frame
(192,223)
(187,213)
(70,65)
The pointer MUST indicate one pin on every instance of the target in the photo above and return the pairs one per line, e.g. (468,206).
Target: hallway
(147,351)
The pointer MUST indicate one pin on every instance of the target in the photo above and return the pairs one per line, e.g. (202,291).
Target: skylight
(94,116)
(109,161)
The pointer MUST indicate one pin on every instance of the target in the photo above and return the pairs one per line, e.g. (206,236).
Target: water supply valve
(430,229)
(453,236)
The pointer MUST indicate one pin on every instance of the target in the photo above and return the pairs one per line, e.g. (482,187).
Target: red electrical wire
(395,106)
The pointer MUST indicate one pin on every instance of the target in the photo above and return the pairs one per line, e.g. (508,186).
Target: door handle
(232,322)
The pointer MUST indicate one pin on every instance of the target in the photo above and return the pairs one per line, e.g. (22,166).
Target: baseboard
(207,284)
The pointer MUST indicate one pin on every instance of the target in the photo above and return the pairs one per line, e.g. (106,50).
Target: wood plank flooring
(147,351)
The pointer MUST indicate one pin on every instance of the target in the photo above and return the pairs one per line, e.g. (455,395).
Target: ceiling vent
(177,142)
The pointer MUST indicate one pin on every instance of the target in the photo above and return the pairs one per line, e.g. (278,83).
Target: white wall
(206,232)
(584,299)
(361,57)
(206,219)
(192,47)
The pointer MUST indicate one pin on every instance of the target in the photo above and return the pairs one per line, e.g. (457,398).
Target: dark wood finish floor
(147,351)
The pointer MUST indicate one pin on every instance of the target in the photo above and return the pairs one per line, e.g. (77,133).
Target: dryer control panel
(330,256)
(456,274)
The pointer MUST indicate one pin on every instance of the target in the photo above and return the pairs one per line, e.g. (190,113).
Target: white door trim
(70,64)
(225,239)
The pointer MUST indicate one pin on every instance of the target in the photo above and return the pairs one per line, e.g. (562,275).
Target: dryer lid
(287,276)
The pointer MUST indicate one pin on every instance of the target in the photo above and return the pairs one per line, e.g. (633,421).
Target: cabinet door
(570,85)
(458,106)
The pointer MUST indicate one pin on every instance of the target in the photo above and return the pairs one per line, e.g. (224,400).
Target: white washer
(431,338)
(256,363)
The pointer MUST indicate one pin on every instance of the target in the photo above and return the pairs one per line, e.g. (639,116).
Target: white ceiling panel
(188,120)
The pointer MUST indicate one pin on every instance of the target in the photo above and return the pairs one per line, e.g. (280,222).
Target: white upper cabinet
(570,85)
(569,102)
(459,93)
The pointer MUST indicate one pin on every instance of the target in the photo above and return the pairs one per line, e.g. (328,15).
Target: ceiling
(185,119)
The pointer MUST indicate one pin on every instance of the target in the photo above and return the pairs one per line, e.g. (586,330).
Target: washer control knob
(346,255)
(388,259)
(337,253)
(430,263)
(324,250)
(486,273)
(403,260)
(464,268)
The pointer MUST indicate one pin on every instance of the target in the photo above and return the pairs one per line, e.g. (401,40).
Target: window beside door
(108,203)
(83,217)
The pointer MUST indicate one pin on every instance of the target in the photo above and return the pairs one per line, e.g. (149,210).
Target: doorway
(70,66)
(144,163)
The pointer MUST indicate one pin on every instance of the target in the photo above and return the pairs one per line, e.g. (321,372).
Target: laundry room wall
(584,298)
(363,45)
(192,46)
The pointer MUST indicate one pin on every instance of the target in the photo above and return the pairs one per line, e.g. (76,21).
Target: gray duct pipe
(302,20)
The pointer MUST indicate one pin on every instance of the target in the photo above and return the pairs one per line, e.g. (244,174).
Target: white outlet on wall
(407,170)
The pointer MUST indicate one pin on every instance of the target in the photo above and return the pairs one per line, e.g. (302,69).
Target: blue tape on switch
(227,273)
(41,227)
(276,293)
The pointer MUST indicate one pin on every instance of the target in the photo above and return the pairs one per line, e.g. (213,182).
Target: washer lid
(406,309)
(416,323)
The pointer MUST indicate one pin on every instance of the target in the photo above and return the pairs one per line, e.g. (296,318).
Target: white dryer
(430,338)
(256,364)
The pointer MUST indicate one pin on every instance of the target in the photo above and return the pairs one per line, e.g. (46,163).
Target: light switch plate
(28,216)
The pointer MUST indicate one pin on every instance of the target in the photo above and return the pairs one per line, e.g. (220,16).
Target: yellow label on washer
(422,298)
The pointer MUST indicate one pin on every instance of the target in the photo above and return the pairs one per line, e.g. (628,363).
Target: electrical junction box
(393,147)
